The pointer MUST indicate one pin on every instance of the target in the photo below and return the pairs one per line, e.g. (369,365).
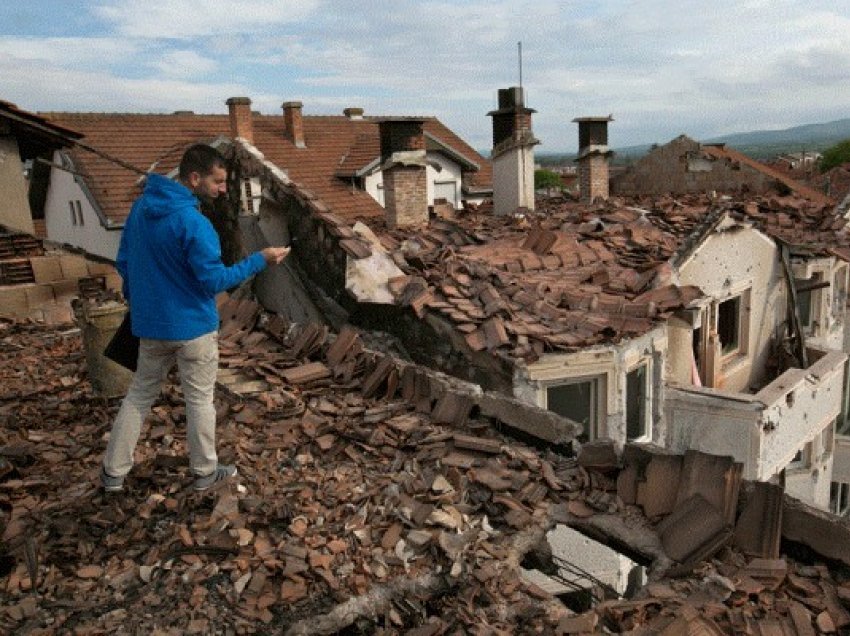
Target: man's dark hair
(202,159)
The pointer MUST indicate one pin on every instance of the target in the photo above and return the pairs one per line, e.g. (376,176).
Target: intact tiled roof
(571,275)
(365,149)
(140,140)
(335,145)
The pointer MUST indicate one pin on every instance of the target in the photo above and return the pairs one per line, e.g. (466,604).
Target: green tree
(835,155)
(546,179)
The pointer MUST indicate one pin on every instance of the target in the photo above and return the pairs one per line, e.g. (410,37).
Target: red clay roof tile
(333,144)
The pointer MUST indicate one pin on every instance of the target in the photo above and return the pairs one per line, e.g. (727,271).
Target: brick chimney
(593,157)
(403,170)
(293,125)
(513,153)
(241,124)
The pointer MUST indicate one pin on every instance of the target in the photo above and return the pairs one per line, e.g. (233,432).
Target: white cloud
(184,64)
(70,51)
(183,19)
(662,68)
(62,89)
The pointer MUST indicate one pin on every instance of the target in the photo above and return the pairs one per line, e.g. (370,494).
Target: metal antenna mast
(519,50)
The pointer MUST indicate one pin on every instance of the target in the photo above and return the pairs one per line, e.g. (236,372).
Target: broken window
(808,301)
(839,498)
(729,324)
(733,324)
(842,424)
(697,162)
(637,400)
(802,460)
(577,400)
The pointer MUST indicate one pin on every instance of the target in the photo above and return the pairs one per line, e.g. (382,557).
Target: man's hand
(274,255)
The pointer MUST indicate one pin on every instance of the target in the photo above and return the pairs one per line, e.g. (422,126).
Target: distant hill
(760,144)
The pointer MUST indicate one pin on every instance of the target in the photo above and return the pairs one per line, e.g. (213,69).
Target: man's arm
(204,254)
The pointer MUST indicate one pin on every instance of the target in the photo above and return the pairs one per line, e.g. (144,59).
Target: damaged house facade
(706,323)
(714,323)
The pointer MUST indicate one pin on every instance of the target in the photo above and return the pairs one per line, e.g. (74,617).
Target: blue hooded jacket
(170,260)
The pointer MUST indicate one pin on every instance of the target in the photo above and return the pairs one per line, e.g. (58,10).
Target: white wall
(611,363)
(513,180)
(728,262)
(449,171)
(764,431)
(374,184)
(605,564)
(91,236)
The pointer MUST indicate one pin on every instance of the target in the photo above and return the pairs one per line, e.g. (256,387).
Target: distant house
(799,161)
(335,157)
(24,139)
(685,166)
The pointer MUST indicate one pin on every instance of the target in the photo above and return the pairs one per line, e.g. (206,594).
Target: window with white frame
(839,498)
(733,324)
(637,403)
(581,400)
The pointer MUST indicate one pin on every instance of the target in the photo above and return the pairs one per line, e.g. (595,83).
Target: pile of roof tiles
(570,275)
(345,487)
(367,500)
(522,290)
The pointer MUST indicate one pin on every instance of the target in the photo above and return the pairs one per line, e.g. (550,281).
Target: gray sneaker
(219,474)
(110,483)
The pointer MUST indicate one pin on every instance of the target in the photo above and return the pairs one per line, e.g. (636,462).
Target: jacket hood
(165,196)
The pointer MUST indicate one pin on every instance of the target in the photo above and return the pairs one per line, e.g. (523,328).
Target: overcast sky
(660,67)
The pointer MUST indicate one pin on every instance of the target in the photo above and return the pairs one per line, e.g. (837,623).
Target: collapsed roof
(374,495)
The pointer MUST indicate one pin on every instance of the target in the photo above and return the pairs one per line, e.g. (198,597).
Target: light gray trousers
(197,362)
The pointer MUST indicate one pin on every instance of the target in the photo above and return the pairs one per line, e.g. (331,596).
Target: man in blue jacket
(170,260)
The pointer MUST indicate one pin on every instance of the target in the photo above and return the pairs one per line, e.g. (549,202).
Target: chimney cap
(353,112)
(292,104)
(605,118)
(238,101)
(382,120)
